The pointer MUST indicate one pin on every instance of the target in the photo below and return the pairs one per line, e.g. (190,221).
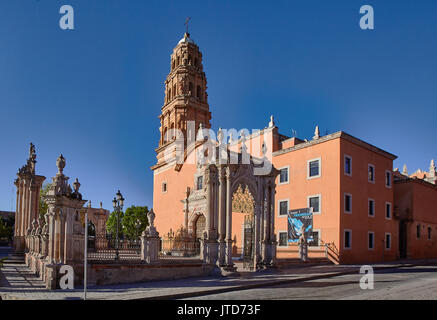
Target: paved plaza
(406,280)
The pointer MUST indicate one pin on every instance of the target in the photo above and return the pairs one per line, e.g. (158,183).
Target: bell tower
(185,96)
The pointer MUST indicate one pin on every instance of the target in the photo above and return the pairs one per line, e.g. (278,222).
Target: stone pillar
(208,212)
(257,212)
(222,216)
(24,224)
(62,240)
(229,262)
(149,248)
(51,236)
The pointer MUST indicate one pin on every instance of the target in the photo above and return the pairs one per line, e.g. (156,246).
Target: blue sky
(94,94)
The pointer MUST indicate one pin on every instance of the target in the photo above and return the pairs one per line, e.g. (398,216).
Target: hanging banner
(300,220)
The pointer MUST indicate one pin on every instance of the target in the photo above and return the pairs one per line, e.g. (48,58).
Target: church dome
(186,39)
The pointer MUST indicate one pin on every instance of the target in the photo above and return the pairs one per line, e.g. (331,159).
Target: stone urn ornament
(60,163)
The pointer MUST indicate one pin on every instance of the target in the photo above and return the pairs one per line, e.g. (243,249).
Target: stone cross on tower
(186,25)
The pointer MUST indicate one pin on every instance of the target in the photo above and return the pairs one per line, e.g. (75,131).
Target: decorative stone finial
(60,163)
(200,136)
(432,167)
(101,205)
(272,122)
(76,186)
(151,230)
(404,170)
(316,133)
(220,136)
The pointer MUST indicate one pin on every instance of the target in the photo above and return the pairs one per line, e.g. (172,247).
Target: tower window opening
(199,93)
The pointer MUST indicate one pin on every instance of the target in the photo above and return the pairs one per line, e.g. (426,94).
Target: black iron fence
(187,247)
(106,247)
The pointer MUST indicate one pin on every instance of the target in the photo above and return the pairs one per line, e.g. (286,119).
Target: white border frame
(385,241)
(368,208)
(279,208)
(279,238)
(344,203)
(368,233)
(391,179)
(350,239)
(320,168)
(391,210)
(319,195)
(288,175)
(374,173)
(320,238)
(344,165)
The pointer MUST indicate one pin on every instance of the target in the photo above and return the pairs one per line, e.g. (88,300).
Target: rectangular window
(283,208)
(199,182)
(371,240)
(314,168)
(315,241)
(347,239)
(418,231)
(387,241)
(371,173)
(283,177)
(429,233)
(283,240)
(388,210)
(314,202)
(164,187)
(347,203)
(348,165)
(388,179)
(371,207)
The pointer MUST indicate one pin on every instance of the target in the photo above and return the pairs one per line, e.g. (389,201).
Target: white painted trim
(279,208)
(344,203)
(368,208)
(385,241)
(374,173)
(368,233)
(344,165)
(320,237)
(288,175)
(344,238)
(391,179)
(286,232)
(391,210)
(320,202)
(320,168)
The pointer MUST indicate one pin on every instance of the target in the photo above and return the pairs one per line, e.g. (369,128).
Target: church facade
(233,205)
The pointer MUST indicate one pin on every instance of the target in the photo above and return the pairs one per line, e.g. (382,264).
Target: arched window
(164,136)
(178,61)
(173,65)
(169,94)
(174,90)
(196,62)
(189,59)
(190,89)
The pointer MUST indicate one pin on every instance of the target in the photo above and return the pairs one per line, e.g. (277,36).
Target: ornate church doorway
(199,226)
(243,208)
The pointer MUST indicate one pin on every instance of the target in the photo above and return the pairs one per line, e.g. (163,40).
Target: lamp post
(117,203)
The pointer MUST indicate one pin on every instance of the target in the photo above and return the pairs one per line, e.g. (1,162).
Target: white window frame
(320,236)
(368,237)
(320,168)
(391,210)
(344,203)
(368,208)
(391,179)
(344,164)
(320,202)
(350,239)
(288,175)
(279,238)
(385,241)
(374,173)
(279,207)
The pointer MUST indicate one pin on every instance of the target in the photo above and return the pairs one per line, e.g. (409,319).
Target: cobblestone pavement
(18,283)
(410,283)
